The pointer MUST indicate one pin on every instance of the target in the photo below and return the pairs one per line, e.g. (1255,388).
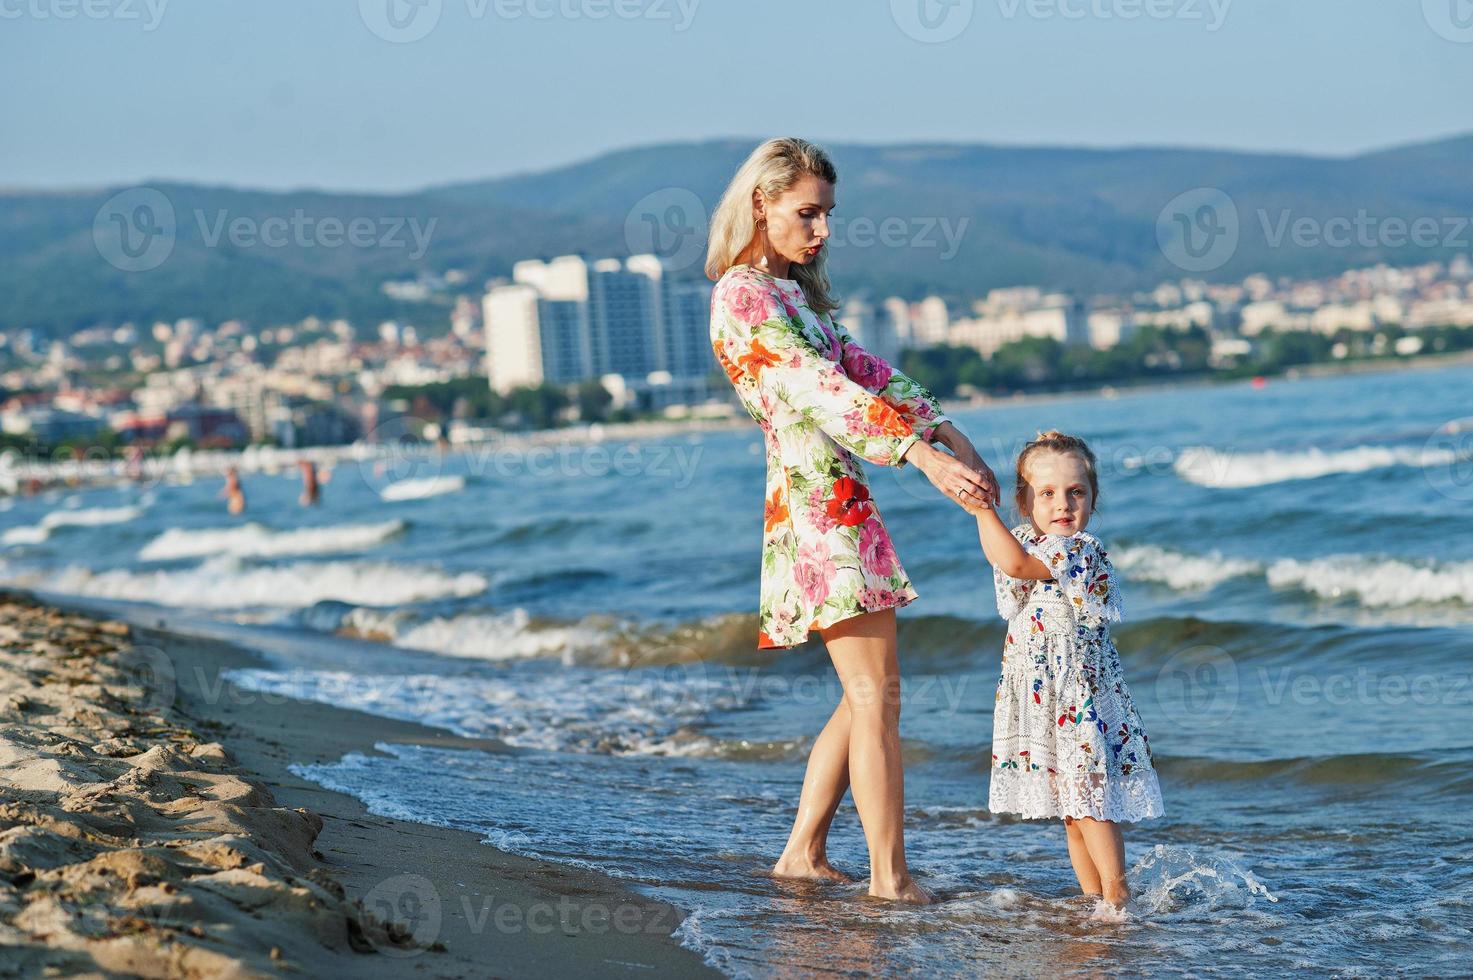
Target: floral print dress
(1066,738)
(823,403)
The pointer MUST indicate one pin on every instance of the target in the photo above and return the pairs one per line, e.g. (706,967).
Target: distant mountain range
(954,219)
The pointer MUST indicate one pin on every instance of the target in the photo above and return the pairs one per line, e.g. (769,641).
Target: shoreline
(92,474)
(218,858)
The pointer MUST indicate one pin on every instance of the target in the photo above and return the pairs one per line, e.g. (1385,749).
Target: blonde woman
(824,403)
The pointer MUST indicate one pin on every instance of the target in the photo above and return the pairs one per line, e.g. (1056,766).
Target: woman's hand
(956,480)
(961,447)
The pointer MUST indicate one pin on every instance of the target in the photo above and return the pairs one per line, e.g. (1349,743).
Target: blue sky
(331,94)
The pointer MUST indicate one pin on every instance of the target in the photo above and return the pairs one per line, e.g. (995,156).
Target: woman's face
(798,220)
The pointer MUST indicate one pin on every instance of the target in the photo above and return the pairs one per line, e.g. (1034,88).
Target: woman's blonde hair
(773,167)
(1054,441)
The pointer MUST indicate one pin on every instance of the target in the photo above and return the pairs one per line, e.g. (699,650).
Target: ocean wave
(564,709)
(418,489)
(259,541)
(595,640)
(227,582)
(1376,582)
(1216,468)
(1149,563)
(1444,769)
(509,635)
(80,517)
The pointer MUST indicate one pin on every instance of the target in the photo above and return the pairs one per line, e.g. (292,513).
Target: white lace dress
(1066,738)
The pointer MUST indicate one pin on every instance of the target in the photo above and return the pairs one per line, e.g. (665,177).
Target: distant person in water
(309,482)
(134,468)
(233,492)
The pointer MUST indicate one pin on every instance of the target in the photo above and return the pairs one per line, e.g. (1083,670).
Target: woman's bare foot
(907,891)
(811,869)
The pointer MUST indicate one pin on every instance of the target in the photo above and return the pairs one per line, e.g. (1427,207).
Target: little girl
(1066,739)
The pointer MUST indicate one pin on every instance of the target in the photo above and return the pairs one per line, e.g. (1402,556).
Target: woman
(823,402)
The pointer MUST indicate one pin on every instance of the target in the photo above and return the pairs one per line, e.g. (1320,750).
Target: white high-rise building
(873,329)
(568,319)
(929,322)
(532,340)
(624,306)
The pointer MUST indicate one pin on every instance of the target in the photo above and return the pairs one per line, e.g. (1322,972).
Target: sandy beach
(149,826)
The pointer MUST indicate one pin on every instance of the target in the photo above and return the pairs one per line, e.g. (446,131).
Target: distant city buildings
(626,324)
(568,320)
(1009,315)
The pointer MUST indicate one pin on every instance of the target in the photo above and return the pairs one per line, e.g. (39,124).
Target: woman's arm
(1004,552)
(913,400)
(759,345)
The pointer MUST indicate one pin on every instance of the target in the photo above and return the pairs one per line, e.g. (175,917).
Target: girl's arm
(1003,551)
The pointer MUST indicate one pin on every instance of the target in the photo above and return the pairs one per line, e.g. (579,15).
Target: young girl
(1066,739)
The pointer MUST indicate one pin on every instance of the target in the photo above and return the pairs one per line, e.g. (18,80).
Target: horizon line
(64,189)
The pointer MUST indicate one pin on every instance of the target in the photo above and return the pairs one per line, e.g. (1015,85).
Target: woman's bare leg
(1084,867)
(1107,851)
(824,785)
(863,651)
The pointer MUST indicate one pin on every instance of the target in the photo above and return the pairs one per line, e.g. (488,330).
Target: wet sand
(149,825)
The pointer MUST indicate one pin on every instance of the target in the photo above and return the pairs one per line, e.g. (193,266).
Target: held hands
(961,447)
(964,478)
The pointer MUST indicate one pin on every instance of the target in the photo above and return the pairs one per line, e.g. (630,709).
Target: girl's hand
(977,507)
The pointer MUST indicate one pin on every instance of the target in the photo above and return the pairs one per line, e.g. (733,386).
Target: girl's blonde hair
(773,167)
(1054,441)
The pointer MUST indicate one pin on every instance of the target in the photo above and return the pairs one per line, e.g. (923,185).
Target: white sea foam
(74,517)
(90,516)
(503,636)
(431,486)
(1170,878)
(25,534)
(1217,468)
(509,635)
(260,541)
(1376,582)
(1149,563)
(227,582)
(609,712)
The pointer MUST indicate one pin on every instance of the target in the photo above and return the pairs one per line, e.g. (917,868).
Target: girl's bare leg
(1084,868)
(863,651)
(1107,850)
(824,785)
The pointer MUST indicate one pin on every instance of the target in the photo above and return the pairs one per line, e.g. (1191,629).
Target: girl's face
(798,221)
(1057,500)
